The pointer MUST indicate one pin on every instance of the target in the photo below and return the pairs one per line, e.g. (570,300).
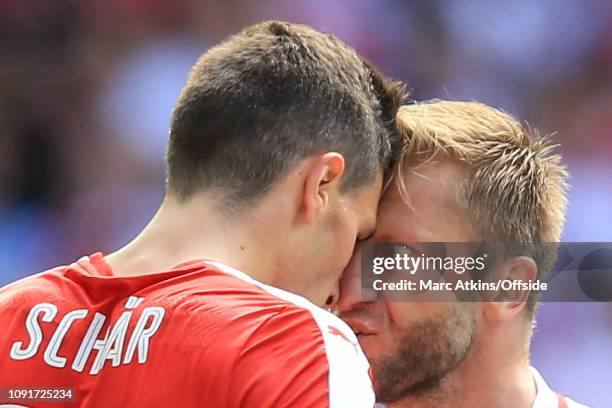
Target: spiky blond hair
(516,186)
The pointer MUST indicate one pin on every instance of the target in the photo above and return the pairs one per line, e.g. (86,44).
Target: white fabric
(547,398)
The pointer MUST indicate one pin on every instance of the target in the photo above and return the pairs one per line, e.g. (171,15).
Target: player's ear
(519,269)
(322,182)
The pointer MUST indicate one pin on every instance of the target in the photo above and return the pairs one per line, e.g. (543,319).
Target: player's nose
(332,300)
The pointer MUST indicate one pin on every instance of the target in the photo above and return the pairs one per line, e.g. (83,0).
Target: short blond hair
(516,188)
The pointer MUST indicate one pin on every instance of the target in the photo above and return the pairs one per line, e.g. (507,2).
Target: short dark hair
(269,96)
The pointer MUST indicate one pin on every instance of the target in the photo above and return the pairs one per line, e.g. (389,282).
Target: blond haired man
(470,173)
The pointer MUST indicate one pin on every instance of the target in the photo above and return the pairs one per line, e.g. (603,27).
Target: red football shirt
(201,334)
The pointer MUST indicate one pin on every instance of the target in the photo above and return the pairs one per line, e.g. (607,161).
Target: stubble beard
(428,351)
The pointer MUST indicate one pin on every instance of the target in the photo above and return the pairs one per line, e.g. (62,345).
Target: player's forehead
(434,208)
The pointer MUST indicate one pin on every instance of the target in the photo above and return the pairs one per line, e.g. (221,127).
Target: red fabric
(222,342)
(562,401)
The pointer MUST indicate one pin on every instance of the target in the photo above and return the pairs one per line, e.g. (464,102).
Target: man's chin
(426,353)
(392,389)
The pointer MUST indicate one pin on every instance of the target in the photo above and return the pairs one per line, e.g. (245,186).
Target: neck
(493,374)
(181,232)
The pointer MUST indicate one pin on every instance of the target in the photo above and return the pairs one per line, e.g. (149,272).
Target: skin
(298,237)
(443,354)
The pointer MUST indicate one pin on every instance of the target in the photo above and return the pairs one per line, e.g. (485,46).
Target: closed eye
(366,236)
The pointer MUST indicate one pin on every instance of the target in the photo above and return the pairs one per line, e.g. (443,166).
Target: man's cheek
(346,254)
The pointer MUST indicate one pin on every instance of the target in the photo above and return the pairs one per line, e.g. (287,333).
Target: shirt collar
(545,397)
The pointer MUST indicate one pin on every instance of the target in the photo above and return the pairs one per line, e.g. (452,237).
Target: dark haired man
(275,164)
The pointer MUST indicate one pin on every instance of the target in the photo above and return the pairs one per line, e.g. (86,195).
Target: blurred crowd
(87,88)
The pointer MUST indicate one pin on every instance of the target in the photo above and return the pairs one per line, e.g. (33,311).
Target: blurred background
(87,88)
